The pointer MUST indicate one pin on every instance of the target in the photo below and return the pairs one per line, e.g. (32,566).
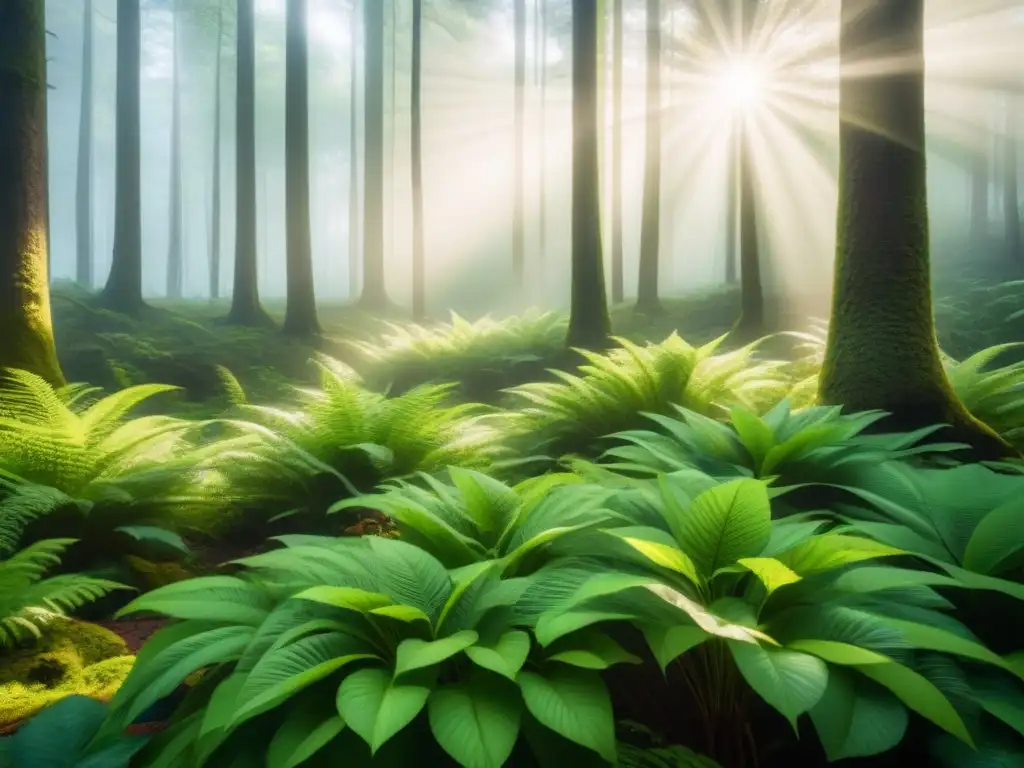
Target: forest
(521,383)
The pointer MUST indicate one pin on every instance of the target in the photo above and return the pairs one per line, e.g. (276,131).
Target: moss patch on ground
(72,657)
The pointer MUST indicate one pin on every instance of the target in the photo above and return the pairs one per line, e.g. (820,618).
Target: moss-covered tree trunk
(215,212)
(647,300)
(353,158)
(881,350)
(245,298)
(374,296)
(83,180)
(123,291)
(589,324)
(519,192)
(26,331)
(618,289)
(300,309)
(419,288)
(175,257)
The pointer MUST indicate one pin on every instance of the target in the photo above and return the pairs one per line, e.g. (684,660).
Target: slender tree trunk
(26,330)
(245,298)
(419,290)
(300,309)
(542,224)
(393,130)
(732,208)
(881,351)
(647,300)
(1011,197)
(618,293)
(83,183)
(980,197)
(215,216)
(123,291)
(518,213)
(589,324)
(374,296)
(175,267)
(353,154)
(751,320)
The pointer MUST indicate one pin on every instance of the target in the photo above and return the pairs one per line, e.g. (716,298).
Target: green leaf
(826,551)
(306,730)
(669,643)
(414,653)
(376,707)
(770,571)
(663,556)
(506,656)
(406,613)
(573,703)
(857,718)
(936,639)
(224,599)
(756,436)
(590,649)
(476,722)
(706,620)
(151,534)
(995,539)
(790,681)
(349,598)
(726,523)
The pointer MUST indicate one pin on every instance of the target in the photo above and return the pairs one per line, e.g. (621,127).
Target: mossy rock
(72,657)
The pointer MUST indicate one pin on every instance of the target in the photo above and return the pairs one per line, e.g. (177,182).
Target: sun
(741,84)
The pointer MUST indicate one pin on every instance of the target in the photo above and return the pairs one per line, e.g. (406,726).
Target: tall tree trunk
(245,298)
(175,267)
(647,300)
(732,208)
(1011,196)
(353,154)
(215,215)
(542,224)
(123,291)
(83,182)
(519,212)
(300,309)
(26,330)
(618,293)
(589,324)
(980,195)
(374,296)
(392,130)
(751,320)
(881,351)
(419,289)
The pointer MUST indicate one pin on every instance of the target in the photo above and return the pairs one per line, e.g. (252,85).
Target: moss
(71,658)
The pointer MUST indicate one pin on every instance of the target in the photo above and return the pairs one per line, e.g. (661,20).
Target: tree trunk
(618,293)
(374,296)
(353,154)
(419,290)
(518,212)
(732,209)
(542,223)
(589,324)
(215,215)
(980,197)
(175,270)
(83,182)
(1011,197)
(392,131)
(245,298)
(300,309)
(123,291)
(881,351)
(647,300)
(751,320)
(26,331)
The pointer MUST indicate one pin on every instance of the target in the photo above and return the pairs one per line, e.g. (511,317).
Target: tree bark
(26,330)
(518,212)
(589,324)
(419,290)
(374,296)
(881,351)
(300,309)
(83,182)
(618,288)
(353,154)
(647,300)
(123,291)
(215,214)
(245,298)
(175,267)
(751,320)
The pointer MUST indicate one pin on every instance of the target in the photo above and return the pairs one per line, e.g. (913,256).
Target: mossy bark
(123,291)
(26,329)
(881,351)
(647,300)
(589,324)
(300,310)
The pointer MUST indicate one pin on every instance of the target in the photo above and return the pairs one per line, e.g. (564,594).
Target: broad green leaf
(225,599)
(770,571)
(406,613)
(376,707)
(306,730)
(414,653)
(790,681)
(726,523)
(663,556)
(590,649)
(756,436)
(552,626)
(476,722)
(669,643)
(996,539)
(573,703)
(349,598)
(706,620)
(936,639)
(856,717)
(826,551)
(505,657)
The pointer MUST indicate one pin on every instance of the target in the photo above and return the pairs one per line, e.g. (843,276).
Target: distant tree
(26,330)
(589,324)
(215,215)
(881,351)
(83,182)
(519,191)
(618,36)
(300,310)
(123,291)
(419,289)
(647,300)
(245,299)
(1011,191)
(353,155)
(175,255)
